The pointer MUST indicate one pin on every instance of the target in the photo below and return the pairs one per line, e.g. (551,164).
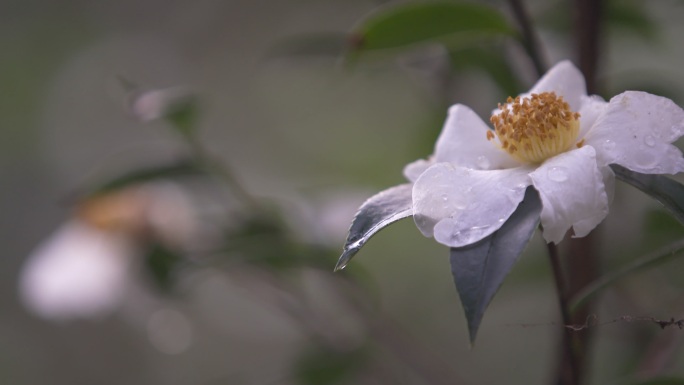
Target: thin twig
(588,34)
(222,171)
(530,39)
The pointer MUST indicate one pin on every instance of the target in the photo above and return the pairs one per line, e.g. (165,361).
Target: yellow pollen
(535,128)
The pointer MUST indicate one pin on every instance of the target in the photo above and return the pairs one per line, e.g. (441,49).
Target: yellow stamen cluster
(535,128)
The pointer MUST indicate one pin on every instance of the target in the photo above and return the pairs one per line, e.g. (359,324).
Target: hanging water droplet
(608,145)
(445,197)
(558,174)
(482,162)
(649,140)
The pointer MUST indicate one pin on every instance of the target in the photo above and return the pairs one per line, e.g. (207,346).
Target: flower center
(535,128)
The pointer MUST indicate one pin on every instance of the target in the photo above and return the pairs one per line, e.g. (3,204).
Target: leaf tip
(472,334)
(345,258)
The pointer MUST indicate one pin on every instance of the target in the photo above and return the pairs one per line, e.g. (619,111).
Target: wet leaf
(479,269)
(375,214)
(661,188)
(450,23)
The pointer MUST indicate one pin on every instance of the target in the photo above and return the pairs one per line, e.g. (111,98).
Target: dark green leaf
(377,212)
(663,189)
(479,269)
(176,170)
(451,23)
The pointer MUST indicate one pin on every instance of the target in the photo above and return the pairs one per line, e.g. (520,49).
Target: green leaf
(480,269)
(451,23)
(176,170)
(653,259)
(375,214)
(663,189)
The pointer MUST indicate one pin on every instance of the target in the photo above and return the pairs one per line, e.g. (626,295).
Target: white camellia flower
(84,269)
(79,272)
(554,138)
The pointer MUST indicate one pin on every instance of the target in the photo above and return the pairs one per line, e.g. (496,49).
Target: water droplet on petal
(483,162)
(649,140)
(608,145)
(445,197)
(646,159)
(558,174)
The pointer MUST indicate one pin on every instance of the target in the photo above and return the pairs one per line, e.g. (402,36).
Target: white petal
(78,272)
(592,108)
(636,131)
(463,142)
(609,183)
(413,170)
(565,80)
(585,226)
(572,192)
(460,206)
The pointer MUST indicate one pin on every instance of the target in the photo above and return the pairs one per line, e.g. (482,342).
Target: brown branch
(569,372)
(530,40)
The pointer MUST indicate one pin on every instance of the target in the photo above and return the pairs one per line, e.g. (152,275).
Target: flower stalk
(569,367)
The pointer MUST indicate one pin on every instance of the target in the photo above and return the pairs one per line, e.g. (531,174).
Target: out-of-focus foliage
(455,24)
(243,296)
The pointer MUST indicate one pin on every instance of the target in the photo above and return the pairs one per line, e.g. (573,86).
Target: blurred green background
(299,127)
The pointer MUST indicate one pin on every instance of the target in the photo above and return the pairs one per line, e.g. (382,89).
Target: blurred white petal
(79,272)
